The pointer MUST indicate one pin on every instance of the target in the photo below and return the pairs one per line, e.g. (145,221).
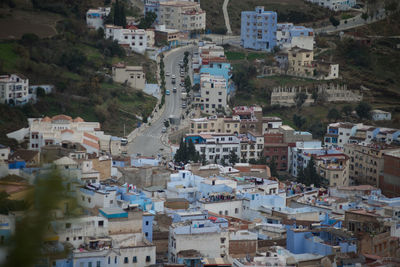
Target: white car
(167,74)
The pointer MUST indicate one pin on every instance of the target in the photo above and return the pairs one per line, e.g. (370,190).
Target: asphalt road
(149,142)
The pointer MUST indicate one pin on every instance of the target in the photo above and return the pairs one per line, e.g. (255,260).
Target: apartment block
(334,168)
(258,29)
(216,147)
(251,146)
(213,93)
(215,124)
(389,180)
(181,15)
(276,149)
(133,76)
(14,89)
(133,39)
(300,62)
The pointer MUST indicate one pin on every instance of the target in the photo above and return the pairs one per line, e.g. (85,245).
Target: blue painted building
(147,226)
(17,164)
(324,241)
(258,29)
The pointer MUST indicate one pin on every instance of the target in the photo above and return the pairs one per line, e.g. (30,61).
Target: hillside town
(233,166)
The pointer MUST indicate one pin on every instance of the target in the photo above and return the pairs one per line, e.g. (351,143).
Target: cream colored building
(213,93)
(300,62)
(366,162)
(334,168)
(214,124)
(184,16)
(251,146)
(150,34)
(132,75)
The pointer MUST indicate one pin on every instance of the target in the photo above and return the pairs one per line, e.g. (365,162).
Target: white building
(90,197)
(289,36)
(251,146)
(380,115)
(74,230)
(135,39)
(335,5)
(4,153)
(62,128)
(181,15)
(95,17)
(14,89)
(213,92)
(133,76)
(215,146)
(206,238)
(227,207)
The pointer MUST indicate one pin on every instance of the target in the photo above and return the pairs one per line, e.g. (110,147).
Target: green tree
(40,92)
(298,121)
(273,168)
(181,153)
(335,22)
(300,98)
(311,175)
(166,123)
(347,110)
(191,151)
(301,178)
(119,14)
(333,114)
(147,21)
(364,16)
(363,110)
(203,159)
(233,158)
(188,84)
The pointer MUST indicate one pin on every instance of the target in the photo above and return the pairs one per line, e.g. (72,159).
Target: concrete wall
(145,176)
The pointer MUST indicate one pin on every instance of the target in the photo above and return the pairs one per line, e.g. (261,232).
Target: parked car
(167,74)
(174,90)
(164,129)
(167,92)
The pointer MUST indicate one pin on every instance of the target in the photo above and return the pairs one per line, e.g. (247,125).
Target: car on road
(182,74)
(174,90)
(182,84)
(183,105)
(167,74)
(167,92)
(164,129)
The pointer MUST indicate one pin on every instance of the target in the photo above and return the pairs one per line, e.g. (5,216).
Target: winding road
(149,143)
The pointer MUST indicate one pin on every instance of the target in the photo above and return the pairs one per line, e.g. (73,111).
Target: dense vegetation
(77,61)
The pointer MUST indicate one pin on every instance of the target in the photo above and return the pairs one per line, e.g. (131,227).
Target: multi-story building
(134,39)
(276,149)
(389,180)
(250,118)
(14,89)
(4,153)
(366,161)
(334,168)
(258,29)
(289,36)
(215,124)
(300,62)
(216,147)
(213,93)
(341,133)
(95,17)
(181,15)
(251,146)
(380,115)
(133,76)
(335,5)
(198,239)
(164,36)
(62,129)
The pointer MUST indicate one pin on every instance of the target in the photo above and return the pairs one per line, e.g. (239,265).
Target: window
(147,222)
(236,210)
(68,225)
(134,259)
(101,223)
(126,260)
(98,263)
(148,258)
(226,212)
(89,264)
(222,240)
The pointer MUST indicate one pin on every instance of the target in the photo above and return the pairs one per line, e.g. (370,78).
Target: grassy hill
(77,62)
(296,11)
